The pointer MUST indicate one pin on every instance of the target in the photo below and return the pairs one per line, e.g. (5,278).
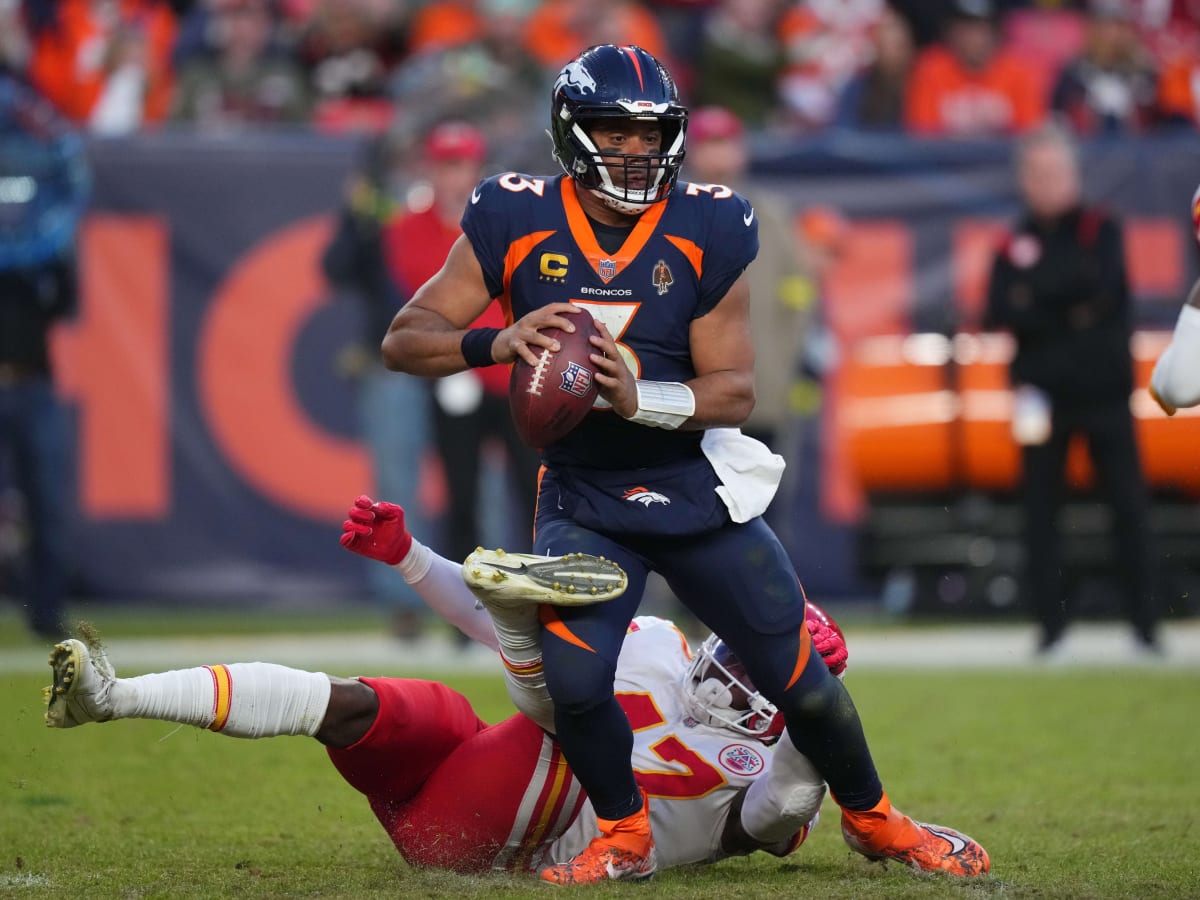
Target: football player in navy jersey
(657,477)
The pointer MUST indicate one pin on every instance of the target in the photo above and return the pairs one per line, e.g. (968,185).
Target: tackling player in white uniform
(499,796)
(1175,382)
(697,756)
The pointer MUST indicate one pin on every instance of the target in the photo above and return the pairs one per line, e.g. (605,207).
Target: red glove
(376,531)
(827,638)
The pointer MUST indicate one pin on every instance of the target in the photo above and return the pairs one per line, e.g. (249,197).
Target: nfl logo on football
(576,380)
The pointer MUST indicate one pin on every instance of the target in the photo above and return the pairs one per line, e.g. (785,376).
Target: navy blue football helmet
(611,81)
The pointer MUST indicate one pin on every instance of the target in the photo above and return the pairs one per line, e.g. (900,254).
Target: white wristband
(663,404)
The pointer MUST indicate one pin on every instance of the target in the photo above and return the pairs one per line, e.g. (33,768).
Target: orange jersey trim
(518,250)
(222,696)
(558,628)
(581,230)
(694,254)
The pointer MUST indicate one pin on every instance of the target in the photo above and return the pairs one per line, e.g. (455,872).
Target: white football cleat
(513,580)
(82,689)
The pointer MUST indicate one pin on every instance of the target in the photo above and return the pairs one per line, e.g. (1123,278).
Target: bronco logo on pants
(645,496)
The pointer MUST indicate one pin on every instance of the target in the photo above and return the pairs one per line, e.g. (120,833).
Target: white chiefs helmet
(718,692)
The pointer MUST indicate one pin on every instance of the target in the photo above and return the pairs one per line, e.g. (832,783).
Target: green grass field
(1080,785)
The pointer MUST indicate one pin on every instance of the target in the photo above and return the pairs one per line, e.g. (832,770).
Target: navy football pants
(739,581)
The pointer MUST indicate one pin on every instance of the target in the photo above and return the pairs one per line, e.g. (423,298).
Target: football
(548,400)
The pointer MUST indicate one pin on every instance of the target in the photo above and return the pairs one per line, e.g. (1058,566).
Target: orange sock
(631,833)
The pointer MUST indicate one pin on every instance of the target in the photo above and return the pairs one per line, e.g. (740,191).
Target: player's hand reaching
(376,531)
(830,645)
(614,379)
(827,638)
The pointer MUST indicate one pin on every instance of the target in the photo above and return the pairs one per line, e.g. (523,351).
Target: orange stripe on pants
(802,657)
(559,629)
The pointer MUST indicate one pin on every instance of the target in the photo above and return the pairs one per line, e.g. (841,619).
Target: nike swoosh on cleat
(522,569)
(957,844)
(615,874)
(750,218)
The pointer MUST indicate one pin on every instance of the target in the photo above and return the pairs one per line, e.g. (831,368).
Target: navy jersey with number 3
(536,246)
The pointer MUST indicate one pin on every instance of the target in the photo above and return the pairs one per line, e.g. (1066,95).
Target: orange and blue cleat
(623,851)
(884,832)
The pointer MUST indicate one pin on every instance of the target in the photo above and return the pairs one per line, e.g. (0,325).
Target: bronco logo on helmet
(577,76)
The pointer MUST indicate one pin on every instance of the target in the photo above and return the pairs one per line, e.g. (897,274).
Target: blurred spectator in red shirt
(826,42)
(469,408)
(874,98)
(968,85)
(741,60)
(243,79)
(106,63)
(558,29)
(1111,86)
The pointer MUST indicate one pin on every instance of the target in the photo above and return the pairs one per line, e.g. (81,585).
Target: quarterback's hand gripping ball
(376,531)
(548,400)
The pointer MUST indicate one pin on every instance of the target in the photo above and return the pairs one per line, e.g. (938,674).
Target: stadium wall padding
(216,442)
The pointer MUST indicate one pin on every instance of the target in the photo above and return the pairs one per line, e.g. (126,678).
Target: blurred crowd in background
(931,67)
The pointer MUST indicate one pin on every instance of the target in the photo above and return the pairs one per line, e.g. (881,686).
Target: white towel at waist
(750,473)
